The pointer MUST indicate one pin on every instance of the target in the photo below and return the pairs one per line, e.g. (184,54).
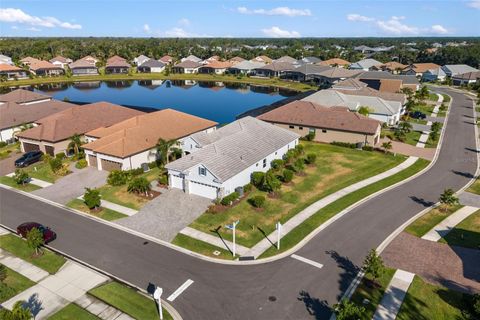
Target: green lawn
(423,107)
(300,232)
(201,247)
(475,187)
(429,220)
(72,311)
(373,293)
(427,302)
(10,149)
(13,285)
(49,261)
(411,137)
(335,168)
(9,181)
(106,214)
(446,97)
(432,97)
(42,171)
(129,301)
(466,233)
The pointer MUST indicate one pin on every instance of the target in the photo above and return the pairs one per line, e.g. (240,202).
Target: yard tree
(448,198)
(92,198)
(20,311)
(405,126)
(21,177)
(347,310)
(75,144)
(363,110)
(163,149)
(271,182)
(3,273)
(35,239)
(139,185)
(387,145)
(373,265)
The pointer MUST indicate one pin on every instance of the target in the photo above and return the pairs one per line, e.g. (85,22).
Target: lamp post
(232,227)
(157,295)
(279,234)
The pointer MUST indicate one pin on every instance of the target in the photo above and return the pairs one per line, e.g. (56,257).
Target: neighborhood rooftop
(23,96)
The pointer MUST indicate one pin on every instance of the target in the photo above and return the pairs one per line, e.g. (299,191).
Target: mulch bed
(151,195)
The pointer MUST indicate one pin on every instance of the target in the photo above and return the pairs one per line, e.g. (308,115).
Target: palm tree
(405,127)
(163,149)
(75,143)
(387,146)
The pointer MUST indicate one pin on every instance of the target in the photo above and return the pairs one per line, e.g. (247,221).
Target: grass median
(104,213)
(13,284)
(72,311)
(430,219)
(27,187)
(201,247)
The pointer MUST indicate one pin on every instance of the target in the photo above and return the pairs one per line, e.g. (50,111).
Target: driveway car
(28,158)
(48,234)
(418,115)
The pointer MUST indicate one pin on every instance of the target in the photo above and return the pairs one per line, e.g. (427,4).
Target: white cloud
(33,29)
(357,17)
(13,15)
(279,11)
(395,27)
(14,27)
(184,22)
(146,28)
(276,32)
(474,4)
(439,29)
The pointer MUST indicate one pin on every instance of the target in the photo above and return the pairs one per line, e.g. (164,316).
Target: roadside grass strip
(466,233)
(9,181)
(104,213)
(474,187)
(202,247)
(13,284)
(429,220)
(72,311)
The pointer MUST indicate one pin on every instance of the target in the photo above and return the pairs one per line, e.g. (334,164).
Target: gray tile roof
(365,64)
(455,69)
(310,69)
(152,64)
(377,75)
(247,65)
(233,148)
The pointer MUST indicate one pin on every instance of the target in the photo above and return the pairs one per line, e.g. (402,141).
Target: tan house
(45,68)
(392,67)
(52,134)
(418,69)
(335,62)
(329,124)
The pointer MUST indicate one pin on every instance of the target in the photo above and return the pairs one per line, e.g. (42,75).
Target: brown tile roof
(334,61)
(81,63)
(236,59)
(263,59)
(117,63)
(310,114)
(59,58)
(41,64)
(23,96)
(89,59)
(7,67)
(115,58)
(218,64)
(367,91)
(390,85)
(423,67)
(28,60)
(350,84)
(14,115)
(338,73)
(166,58)
(78,120)
(142,132)
(278,66)
(392,66)
(188,64)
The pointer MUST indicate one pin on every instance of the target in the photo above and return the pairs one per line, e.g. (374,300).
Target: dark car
(48,235)
(28,158)
(418,115)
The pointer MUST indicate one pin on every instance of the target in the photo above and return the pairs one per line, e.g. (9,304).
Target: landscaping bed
(466,233)
(103,213)
(72,311)
(27,187)
(429,220)
(13,284)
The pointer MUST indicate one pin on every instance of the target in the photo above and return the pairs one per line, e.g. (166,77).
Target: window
(264,162)
(301,128)
(291,127)
(324,131)
(202,171)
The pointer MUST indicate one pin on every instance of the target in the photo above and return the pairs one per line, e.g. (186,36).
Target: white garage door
(176,182)
(202,190)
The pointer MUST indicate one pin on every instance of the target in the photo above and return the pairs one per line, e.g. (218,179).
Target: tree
(405,127)
(270,182)
(92,198)
(373,265)
(21,312)
(3,273)
(387,146)
(35,239)
(75,144)
(21,177)
(363,110)
(347,310)
(448,198)
(163,149)
(139,185)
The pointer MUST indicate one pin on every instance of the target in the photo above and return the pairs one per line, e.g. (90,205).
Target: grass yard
(120,195)
(9,150)
(72,311)
(42,171)
(432,97)
(466,233)
(429,220)
(425,302)
(9,181)
(13,285)
(336,168)
(300,232)
(475,187)
(201,247)
(446,97)
(410,138)
(129,301)
(49,261)
(106,214)
(373,293)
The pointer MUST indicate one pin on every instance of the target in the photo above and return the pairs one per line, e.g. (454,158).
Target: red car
(48,235)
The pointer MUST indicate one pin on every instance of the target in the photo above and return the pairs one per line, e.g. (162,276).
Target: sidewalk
(21,266)
(34,181)
(425,134)
(214,240)
(394,295)
(101,309)
(444,227)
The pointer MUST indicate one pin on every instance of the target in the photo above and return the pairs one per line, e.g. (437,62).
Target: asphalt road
(299,290)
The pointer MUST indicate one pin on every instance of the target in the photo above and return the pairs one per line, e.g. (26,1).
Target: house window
(264,162)
(324,131)
(291,127)
(202,171)
(301,128)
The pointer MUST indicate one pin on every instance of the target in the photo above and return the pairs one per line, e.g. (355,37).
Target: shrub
(311,157)
(299,165)
(134,172)
(247,188)
(55,164)
(344,144)
(35,239)
(367,148)
(3,273)
(163,179)
(60,156)
(3,144)
(92,198)
(153,164)
(226,201)
(270,182)
(289,156)
(299,149)
(21,177)
(310,136)
(139,185)
(46,158)
(117,178)
(277,164)
(436,126)
(257,178)
(82,163)
(287,175)
(257,201)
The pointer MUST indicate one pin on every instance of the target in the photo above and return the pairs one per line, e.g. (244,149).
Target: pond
(217,101)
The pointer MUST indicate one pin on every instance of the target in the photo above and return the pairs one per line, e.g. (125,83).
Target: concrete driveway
(73,185)
(8,165)
(167,214)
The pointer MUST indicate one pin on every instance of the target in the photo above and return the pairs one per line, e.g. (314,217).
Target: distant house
(328,124)
(374,80)
(310,60)
(358,88)
(263,59)
(392,67)
(212,59)
(287,59)
(52,133)
(331,76)
(192,58)
(418,69)
(365,64)
(151,66)
(349,84)
(223,160)
(245,67)
(452,70)
(11,72)
(186,66)
(215,67)
(166,60)
(83,67)
(60,61)
(28,60)
(236,59)
(116,65)
(45,68)
(90,60)
(141,59)
(274,69)
(132,142)
(335,62)
(436,74)
(306,73)
(466,78)
(5,60)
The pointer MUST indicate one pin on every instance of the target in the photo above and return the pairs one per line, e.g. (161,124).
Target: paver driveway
(8,165)
(73,185)
(167,214)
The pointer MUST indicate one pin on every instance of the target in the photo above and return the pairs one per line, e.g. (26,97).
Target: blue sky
(259,18)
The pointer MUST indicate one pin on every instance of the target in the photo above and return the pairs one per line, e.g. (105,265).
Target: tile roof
(214,64)
(377,75)
(115,58)
(82,63)
(339,73)
(41,64)
(78,120)
(390,85)
(455,69)
(264,59)
(314,115)
(422,67)
(117,61)
(237,59)
(335,61)
(350,84)
(142,132)
(60,59)
(468,76)
(365,64)
(393,66)
(235,147)
(23,96)
(311,60)
(153,64)
(367,91)
(192,58)
(247,65)
(310,69)
(278,66)
(188,64)
(7,67)
(166,58)
(287,59)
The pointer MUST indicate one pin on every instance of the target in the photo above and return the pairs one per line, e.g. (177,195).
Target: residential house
(11,72)
(245,67)
(83,67)
(60,61)
(236,60)
(274,69)
(310,60)
(327,124)
(5,60)
(186,66)
(349,84)
(466,78)
(166,59)
(335,62)
(117,65)
(151,66)
(365,64)
(374,80)
(141,59)
(212,59)
(392,67)
(132,142)
(287,59)
(306,73)
(192,58)
(452,70)
(91,60)
(436,74)
(263,59)
(45,68)
(354,87)
(225,159)
(418,69)
(27,61)
(333,75)
(215,67)
(52,133)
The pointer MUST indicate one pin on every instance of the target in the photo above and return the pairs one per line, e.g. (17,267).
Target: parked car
(418,115)
(48,234)
(28,158)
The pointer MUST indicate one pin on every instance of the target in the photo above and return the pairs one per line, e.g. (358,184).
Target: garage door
(176,182)
(93,161)
(108,165)
(202,190)
(30,147)
(50,150)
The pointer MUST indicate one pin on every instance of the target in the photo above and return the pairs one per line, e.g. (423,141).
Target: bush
(257,178)
(134,172)
(3,144)
(117,178)
(163,179)
(226,201)
(299,149)
(299,165)
(311,157)
(247,188)
(92,198)
(21,177)
(277,164)
(257,201)
(289,156)
(55,164)
(270,182)
(153,164)
(367,148)
(35,239)
(46,158)
(60,156)
(82,163)
(344,144)
(287,175)
(310,136)
(139,185)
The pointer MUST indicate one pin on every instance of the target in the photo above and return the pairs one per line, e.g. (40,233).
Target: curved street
(284,289)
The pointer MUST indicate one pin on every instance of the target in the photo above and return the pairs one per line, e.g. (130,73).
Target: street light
(232,227)
(279,234)
(157,296)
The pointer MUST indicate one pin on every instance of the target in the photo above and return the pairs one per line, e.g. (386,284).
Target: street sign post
(279,234)
(157,295)
(232,227)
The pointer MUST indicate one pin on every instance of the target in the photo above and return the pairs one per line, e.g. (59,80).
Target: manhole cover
(216,253)
(146,242)
(272,298)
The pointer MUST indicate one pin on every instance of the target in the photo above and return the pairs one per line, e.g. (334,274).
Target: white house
(5,60)
(223,160)
(141,59)
(60,61)
(456,69)
(151,66)
(365,64)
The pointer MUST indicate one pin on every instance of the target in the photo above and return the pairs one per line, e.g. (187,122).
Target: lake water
(217,101)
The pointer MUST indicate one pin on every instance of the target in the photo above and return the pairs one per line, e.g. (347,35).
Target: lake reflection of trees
(52,87)
(87,85)
(150,84)
(119,84)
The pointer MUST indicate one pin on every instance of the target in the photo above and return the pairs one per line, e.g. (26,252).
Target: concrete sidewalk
(214,240)
(101,309)
(425,134)
(444,227)
(394,295)
(21,266)
(34,181)
(469,199)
